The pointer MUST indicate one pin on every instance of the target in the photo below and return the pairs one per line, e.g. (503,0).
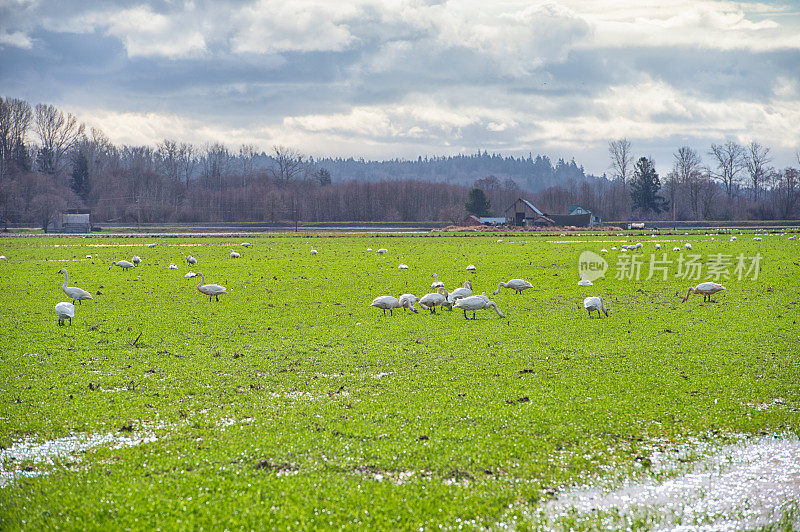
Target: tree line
(50,161)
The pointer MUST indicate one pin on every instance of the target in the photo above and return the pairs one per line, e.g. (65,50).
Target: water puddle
(16,460)
(747,485)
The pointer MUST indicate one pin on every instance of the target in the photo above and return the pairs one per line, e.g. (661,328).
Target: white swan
(707,289)
(436,284)
(407,301)
(313,251)
(124,264)
(381,251)
(385,303)
(687,246)
(585,282)
(211,290)
(65,311)
(75,293)
(189,275)
(471,268)
(234,255)
(403,267)
(676,248)
(173,267)
(475,303)
(517,284)
(429,301)
(459,293)
(191,260)
(246,244)
(595,303)
(658,246)
(152,245)
(136,260)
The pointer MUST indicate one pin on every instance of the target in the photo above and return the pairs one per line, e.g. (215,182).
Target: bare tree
(247,162)
(621,159)
(730,162)
(787,191)
(168,157)
(289,164)
(58,134)
(453,213)
(15,120)
(757,158)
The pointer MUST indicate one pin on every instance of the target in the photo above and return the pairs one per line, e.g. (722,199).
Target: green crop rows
(293,404)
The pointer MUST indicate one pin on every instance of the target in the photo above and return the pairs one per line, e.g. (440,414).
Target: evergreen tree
(645,186)
(477,203)
(323,176)
(80,175)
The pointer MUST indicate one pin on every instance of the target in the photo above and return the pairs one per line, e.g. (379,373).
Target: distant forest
(50,162)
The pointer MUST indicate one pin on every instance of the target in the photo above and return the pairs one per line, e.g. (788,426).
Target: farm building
(522,212)
(473,220)
(578,217)
(73,221)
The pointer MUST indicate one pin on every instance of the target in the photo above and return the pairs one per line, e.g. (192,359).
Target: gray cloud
(368,79)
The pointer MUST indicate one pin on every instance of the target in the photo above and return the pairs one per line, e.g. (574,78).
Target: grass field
(293,404)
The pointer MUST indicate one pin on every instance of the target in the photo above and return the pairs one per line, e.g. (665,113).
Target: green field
(293,404)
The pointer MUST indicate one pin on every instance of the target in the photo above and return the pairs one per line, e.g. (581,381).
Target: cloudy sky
(401,78)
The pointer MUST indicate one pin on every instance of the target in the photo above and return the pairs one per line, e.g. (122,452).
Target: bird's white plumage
(708,289)
(518,285)
(437,283)
(74,293)
(430,301)
(189,275)
(593,303)
(124,264)
(402,267)
(658,246)
(173,267)
(191,260)
(475,303)
(407,301)
(211,290)
(246,244)
(471,268)
(65,311)
(687,246)
(313,251)
(136,260)
(585,282)
(385,303)
(676,248)
(757,239)
(152,245)
(382,251)
(604,250)
(235,255)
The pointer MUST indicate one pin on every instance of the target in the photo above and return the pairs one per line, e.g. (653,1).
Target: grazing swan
(136,260)
(124,264)
(595,303)
(658,246)
(407,302)
(707,289)
(459,293)
(152,245)
(211,290)
(436,284)
(733,238)
(687,246)
(313,251)
(234,255)
(65,310)
(517,284)
(173,267)
(604,250)
(246,244)
(77,294)
(475,303)
(676,248)
(403,267)
(189,275)
(385,303)
(429,301)
(382,251)
(585,282)
(471,268)
(191,260)
(757,239)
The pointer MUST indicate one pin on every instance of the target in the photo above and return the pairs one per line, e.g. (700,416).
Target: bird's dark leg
(70,322)
(217,297)
(473,314)
(465,314)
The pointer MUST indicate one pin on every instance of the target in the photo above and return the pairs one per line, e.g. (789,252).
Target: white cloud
(16,39)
